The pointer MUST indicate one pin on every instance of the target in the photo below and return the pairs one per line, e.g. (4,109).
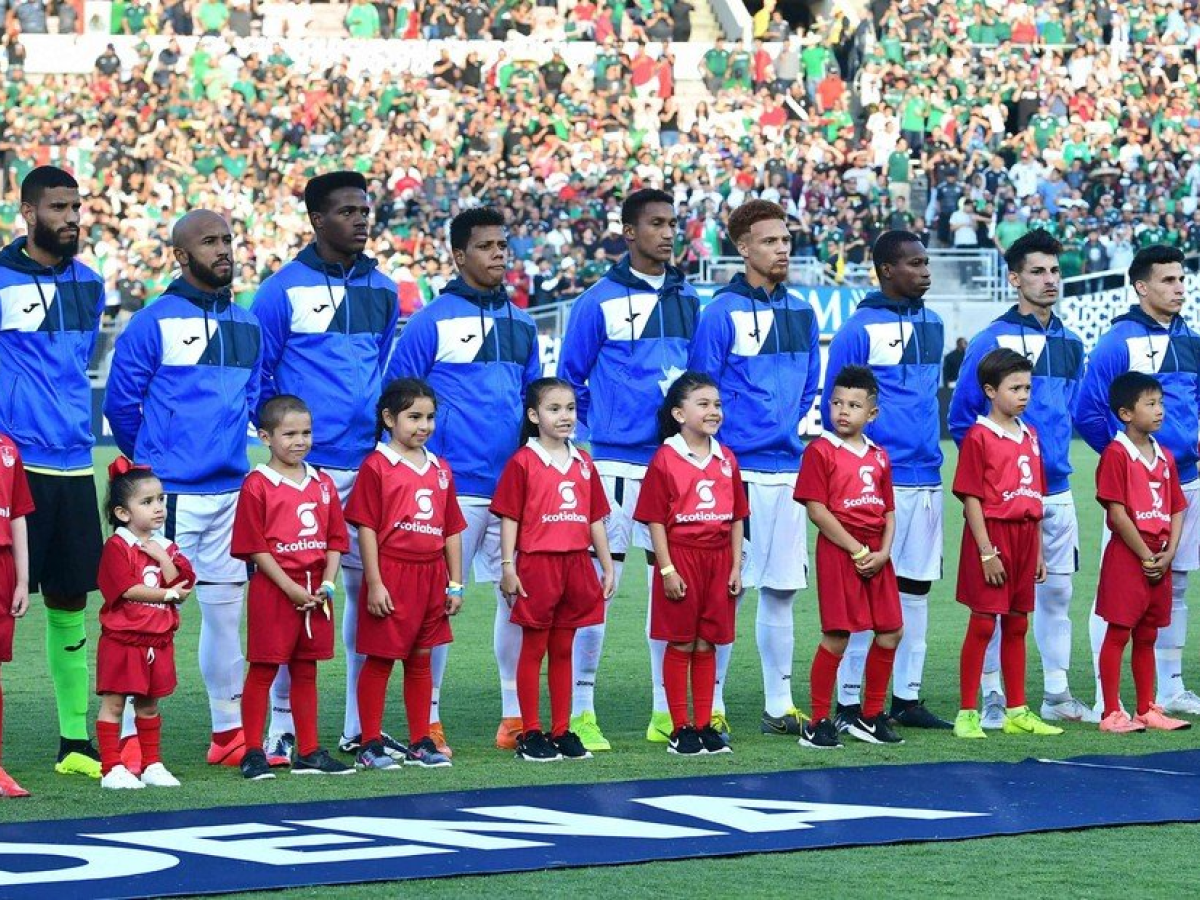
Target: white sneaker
(120,778)
(1185,702)
(156,775)
(993,711)
(1071,710)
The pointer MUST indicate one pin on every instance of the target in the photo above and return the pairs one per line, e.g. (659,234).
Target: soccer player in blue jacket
(1152,337)
(760,343)
(478,352)
(901,341)
(626,342)
(1032,329)
(185,379)
(50,307)
(328,322)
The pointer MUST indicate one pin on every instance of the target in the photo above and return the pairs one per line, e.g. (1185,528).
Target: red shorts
(564,591)
(277,632)
(707,611)
(8,584)
(1125,596)
(1017,542)
(134,670)
(849,602)
(418,620)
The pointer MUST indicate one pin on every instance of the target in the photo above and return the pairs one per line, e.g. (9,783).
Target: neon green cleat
(721,724)
(75,763)
(660,728)
(967,724)
(585,728)
(1023,720)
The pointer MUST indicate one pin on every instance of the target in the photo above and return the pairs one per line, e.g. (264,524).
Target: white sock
(658,649)
(851,668)
(991,683)
(910,655)
(128,727)
(774,631)
(724,654)
(437,670)
(220,654)
(1052,631)
(506,642)
(281,705)
(1097,629)
(352,584)
(1168,650)
(992,680)
(585,656)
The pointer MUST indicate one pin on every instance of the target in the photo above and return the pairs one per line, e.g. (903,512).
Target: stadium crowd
(968,122)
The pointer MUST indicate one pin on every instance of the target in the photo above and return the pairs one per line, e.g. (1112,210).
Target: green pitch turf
(1032,865)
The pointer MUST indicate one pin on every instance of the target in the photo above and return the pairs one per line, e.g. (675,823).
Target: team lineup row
(192,368)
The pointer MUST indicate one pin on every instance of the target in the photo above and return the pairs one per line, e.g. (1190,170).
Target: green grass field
(1030,866)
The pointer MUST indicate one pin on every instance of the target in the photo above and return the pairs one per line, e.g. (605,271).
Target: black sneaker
(570,746)
(790,722)
(350,744)
(913,714)
(845,715)
(319,762)
(686,741)
(820,736)
(534,746)
(712,741)
(255,767)
(873,731)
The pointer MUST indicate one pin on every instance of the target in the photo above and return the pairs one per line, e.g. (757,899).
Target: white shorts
(917,547)
(202,526)
(775,554)
(1060,534)
(343,480)
(481,543)
(623,531)
(1187,557)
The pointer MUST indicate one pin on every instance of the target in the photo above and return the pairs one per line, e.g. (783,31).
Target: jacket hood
(217,301)
(362,266)
(742,288)
(493,299)
(14,257)
(1013,317)
(622,274)
(1139,316)
(878,300)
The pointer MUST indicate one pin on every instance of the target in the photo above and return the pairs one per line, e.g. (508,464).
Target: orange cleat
(438,735)
(1118,722)
(1155,718)
(131,754)
(507,733)
(227,748)
(9,788)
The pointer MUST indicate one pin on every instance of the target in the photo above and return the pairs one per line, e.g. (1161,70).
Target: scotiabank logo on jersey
(704,507)
(868,492)
(568,502)
(420,521)
(306,514)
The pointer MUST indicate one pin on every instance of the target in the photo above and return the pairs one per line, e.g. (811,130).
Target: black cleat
(820,736)
(534,746)
(686,741)
(319,762)
(845,715)
(913,714)
(570,746)
(255,767)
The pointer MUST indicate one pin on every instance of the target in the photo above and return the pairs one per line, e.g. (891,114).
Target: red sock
(675,683)
(970,664)
(562,644)
(822,680)
(304,704)
(372,695)
(1144,637)
(1111,652)
(1013,629)
(878,673)
(418,692)
(529,676)
(256,697)
(108,737)
(704,682)
(149,735)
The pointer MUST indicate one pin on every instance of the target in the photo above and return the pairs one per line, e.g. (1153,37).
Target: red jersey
(1149,492)
(856,487)
(123,565)
(296,523)
(411,510)
(15,500)
(696,500)
(555,506)
(1004,471)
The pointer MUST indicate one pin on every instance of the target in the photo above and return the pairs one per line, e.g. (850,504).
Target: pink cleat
(1157,719)
(9,788)
(1118,722)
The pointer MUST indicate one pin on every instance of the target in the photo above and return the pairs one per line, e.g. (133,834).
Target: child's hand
(674,586)
(20,600)
(993,572)
(1039,574)
(735,580)
(155,551)
(453,604)
(1156,567)
(183,589)
(608,581)
(511,587)
(379,601)
(871,564)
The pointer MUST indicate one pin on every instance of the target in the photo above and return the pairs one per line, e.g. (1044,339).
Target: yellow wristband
(454,585)
(1149,563)
(988,557)
(506,562)
(666,570)
(861,553)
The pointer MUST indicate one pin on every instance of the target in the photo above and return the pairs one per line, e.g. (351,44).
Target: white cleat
(993,712)
(156,775)
(120,778)
(1184,703)
(1071,710)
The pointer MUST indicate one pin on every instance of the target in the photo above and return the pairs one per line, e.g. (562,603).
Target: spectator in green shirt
(716,64)
(212,16)
(362,20)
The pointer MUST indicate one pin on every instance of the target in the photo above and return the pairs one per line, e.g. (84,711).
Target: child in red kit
(845,482)
(143,579)
(289,525)
(410,534)
(1138,486)
(1000,482)
(15,504)
(694,504)
(551,506)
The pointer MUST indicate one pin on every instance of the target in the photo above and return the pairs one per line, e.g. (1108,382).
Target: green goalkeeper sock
(66,652)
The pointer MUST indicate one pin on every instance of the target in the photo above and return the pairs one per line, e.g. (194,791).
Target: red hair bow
(121,465)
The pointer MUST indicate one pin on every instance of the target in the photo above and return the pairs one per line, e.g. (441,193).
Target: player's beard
(208,276)
(48,240)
